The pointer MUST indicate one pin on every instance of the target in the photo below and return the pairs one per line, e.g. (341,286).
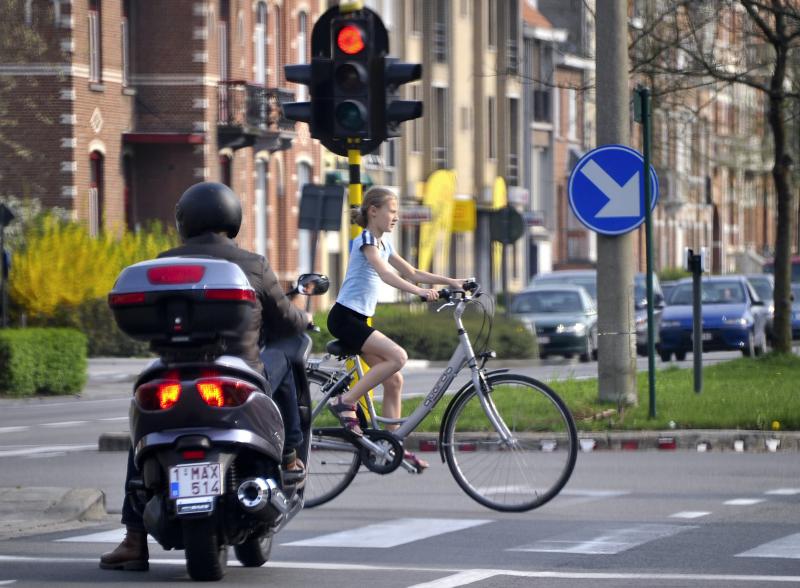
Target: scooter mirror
(312,284)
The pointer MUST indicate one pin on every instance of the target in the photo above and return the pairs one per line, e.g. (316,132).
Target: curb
(700,440)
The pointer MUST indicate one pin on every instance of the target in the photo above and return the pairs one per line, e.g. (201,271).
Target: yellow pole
(354,199)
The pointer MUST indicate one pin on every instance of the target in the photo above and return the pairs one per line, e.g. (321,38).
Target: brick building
(119,105)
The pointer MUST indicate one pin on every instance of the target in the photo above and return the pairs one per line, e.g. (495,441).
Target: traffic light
(354,100)
(395,111)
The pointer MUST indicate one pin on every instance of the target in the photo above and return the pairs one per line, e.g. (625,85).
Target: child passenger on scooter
(371,262)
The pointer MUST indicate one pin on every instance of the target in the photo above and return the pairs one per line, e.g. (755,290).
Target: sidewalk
(29,510)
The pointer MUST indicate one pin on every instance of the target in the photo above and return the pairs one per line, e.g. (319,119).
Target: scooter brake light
(224,392)
(158,394)
(175,274)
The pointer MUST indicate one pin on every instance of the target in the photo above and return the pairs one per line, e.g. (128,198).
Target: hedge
(51,361)
(425,334)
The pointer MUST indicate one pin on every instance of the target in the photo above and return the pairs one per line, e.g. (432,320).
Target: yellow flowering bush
(61,265)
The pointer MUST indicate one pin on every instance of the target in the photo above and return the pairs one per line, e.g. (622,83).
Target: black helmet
(208,207)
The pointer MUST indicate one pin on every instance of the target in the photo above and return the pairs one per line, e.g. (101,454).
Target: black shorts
(349,326)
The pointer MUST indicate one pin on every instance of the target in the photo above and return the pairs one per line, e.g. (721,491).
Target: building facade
(131,101)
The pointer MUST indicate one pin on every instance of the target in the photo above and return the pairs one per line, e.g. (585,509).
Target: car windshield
(588,283)
(547,301)
(713,293)
(763,288)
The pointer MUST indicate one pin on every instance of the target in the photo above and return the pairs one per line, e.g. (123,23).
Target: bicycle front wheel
(527,468)
(332,461)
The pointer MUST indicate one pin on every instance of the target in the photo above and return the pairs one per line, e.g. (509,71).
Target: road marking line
(743,501)
(608,543)
(115,419)
(6,582)
(690,514)
(783,492)
(302,565)
(13,429)
(391,533)
(471,576)
(786,548)
(48,449)
(64,424)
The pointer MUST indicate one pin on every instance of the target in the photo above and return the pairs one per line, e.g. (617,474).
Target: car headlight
(577,328)
(670,324)
(738,321)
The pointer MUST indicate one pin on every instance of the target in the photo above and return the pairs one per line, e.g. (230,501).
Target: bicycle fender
(449,409)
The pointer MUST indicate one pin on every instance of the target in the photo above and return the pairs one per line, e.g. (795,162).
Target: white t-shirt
(359,290)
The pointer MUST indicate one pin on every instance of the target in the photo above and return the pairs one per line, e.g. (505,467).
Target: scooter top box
(182,300)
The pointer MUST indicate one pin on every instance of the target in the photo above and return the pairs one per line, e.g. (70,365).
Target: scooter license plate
(195,479)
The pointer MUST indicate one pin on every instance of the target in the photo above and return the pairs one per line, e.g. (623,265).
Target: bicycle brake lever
(445,305)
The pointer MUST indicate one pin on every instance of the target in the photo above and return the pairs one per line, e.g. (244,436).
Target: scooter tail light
(224,392)
(158,394)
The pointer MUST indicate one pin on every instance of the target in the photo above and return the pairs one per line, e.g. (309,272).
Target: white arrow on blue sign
(606,189)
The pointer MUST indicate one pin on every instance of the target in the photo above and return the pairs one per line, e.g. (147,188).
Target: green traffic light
(351,115)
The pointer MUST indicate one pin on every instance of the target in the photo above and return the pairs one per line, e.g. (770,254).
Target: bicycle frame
(463,355)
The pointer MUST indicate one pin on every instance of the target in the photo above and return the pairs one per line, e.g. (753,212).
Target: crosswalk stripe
(608,542)
(786,547)
(743,501)
(783,492)
(690,514)
(390,533)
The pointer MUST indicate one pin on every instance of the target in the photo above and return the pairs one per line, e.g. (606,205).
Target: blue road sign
(606,189)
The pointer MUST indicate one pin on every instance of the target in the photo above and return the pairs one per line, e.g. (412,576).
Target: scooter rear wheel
(255,551)
(206,560)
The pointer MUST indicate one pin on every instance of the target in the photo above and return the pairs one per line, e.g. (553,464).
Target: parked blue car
(796,310)
(734,317)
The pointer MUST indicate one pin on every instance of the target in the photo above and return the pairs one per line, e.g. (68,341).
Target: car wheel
(749,349)
(665,355)
(680,355)
(542,356)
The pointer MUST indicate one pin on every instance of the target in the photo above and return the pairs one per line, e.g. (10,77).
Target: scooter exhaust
(255,493)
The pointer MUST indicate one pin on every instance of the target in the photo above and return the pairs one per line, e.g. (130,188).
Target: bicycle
(509,440)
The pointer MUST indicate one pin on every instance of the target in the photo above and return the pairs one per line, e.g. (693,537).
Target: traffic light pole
(354,188)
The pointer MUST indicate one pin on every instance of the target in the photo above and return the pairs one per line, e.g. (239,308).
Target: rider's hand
(429,294)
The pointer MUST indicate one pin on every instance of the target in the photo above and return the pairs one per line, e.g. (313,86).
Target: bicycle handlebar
(447,293)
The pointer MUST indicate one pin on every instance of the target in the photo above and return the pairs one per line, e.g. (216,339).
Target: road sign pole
(643,97)
(616,344)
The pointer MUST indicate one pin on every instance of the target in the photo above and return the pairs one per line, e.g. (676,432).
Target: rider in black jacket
(208,216)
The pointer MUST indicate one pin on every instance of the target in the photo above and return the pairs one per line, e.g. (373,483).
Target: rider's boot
(131,554)
(294,470)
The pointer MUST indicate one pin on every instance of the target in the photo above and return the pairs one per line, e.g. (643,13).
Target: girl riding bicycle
(371,261)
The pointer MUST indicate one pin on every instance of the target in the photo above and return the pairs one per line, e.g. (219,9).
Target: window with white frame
(261,207)
(222,38)
(304,237)
(572,113)
(96,195)
(95,49)
(261,44)
(302,51)
(276,42)
(126,42)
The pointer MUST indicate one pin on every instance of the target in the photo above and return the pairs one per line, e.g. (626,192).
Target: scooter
(207,436)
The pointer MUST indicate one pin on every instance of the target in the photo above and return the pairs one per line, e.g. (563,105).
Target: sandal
(418,463)
(346,413)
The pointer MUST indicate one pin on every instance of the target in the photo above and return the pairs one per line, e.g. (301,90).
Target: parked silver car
(587,279)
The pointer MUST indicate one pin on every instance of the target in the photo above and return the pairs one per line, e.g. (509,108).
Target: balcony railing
(249,112)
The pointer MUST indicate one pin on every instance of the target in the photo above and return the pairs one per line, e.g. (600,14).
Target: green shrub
(45,360)
(426,334)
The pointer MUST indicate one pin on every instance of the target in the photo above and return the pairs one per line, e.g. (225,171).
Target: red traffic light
(350,40)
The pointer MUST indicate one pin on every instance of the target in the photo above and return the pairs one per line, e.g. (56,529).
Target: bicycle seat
(339,349)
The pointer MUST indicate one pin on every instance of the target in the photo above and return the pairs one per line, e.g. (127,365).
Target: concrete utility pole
(616,334)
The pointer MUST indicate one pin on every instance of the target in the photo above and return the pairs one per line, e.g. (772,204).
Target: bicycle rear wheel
(524,472)
(332,461)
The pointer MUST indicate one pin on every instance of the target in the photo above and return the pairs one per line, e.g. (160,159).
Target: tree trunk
(781,175)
